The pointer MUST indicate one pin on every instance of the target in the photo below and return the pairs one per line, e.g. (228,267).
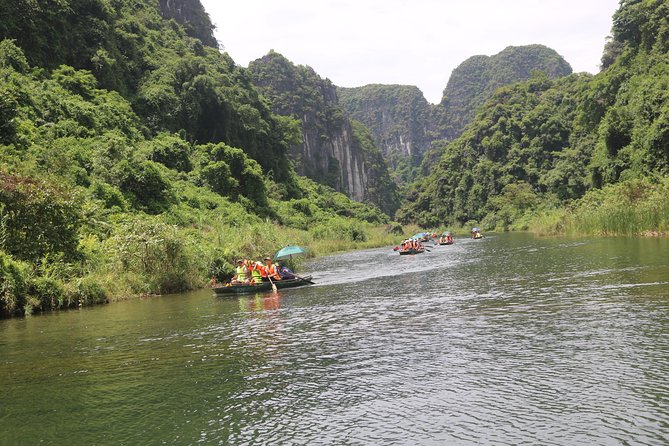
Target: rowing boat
(244,288)
(407,252)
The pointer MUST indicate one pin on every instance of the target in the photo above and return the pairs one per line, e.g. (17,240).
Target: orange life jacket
(273,272)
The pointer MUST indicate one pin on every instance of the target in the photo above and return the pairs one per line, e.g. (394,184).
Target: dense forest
(144,161)
(579,153)
(475,80)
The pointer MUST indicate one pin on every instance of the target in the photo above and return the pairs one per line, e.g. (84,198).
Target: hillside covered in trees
(475,80)
(582,152)
(144,161)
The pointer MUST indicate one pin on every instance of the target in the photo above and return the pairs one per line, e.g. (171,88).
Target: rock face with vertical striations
(400,119)
(333,151)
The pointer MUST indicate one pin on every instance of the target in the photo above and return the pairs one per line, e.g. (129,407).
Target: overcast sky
(411,42)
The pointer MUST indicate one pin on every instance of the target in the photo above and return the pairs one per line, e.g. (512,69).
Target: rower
(256,275)
(271,270)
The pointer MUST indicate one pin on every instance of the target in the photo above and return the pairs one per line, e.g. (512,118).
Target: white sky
(411,42)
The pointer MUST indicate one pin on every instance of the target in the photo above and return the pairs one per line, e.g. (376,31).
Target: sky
(409,42)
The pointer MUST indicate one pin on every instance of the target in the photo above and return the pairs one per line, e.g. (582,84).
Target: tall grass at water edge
(633,208)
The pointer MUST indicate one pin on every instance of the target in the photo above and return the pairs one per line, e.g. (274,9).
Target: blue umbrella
(289,251)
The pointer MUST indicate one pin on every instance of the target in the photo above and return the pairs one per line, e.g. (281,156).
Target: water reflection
(260,302)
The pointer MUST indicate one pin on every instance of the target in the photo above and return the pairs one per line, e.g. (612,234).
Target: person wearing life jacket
(256,274)
(241,273)
(271,270)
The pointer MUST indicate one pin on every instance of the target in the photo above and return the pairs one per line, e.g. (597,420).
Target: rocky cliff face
(399,118)
(330,152)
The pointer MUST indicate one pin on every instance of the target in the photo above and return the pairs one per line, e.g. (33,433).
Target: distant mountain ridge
(475,80)
(405,125)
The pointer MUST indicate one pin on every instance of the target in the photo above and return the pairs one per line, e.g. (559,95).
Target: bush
(14,277)
(86,291)
(48,292)
(340,228)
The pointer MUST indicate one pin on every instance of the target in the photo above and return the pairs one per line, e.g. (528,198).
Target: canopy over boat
(289,251)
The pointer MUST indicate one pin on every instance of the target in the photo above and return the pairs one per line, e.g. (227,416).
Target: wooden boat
(226,290)
(407,252)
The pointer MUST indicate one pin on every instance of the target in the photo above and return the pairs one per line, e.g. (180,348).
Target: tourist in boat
(285,273)
(241,273)
(256,274)
(271,270)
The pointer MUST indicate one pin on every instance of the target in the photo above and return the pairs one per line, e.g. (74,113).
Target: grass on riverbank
(146,257)
(635,207)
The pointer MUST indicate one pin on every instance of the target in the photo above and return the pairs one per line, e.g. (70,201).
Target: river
(512,339)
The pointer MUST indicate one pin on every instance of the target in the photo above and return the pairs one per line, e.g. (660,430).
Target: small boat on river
(446,239)
(245,288)
(411,251)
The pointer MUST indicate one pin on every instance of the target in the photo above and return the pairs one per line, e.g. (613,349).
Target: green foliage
(400,120)
(331,149)
(634,207)
(37,218)
(144,185)
(14,279)
(382,192)
(474,81)
(229,172)
(340,228)
(564,139)
(156,252)
(100,207)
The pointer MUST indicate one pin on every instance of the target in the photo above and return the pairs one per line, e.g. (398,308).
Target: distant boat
(446,238)
(406,252)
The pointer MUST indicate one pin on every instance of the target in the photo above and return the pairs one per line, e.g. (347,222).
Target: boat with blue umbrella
(290,280)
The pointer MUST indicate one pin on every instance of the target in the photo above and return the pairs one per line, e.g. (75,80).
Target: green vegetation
(475,80)
(564,154)
(144,165)
(400,120)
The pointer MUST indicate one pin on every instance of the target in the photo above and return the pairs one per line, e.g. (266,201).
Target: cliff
(400,120)
(192,16)
(331,148)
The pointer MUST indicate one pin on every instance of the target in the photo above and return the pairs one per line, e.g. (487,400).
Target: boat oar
(274,290)
(303,279)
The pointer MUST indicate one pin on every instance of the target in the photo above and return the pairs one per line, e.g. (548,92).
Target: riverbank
(149,258)
(630,208)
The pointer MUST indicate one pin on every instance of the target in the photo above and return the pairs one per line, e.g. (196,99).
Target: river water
(507,340)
